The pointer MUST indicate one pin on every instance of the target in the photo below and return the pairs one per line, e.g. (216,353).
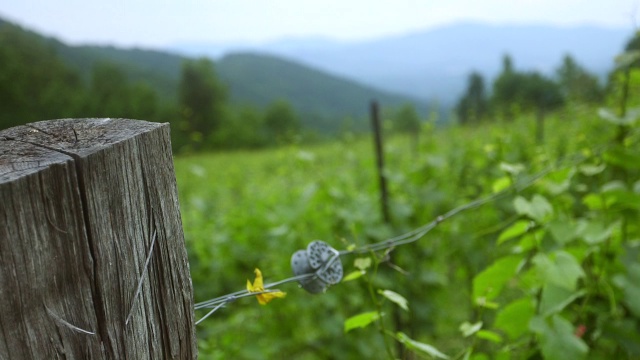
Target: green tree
(244,128)
(577,84)
(624,78)
(407,119)
(144,102)
(623,87)
(634,44)
(34,83)
(168,112)
(109,93)
(507,92)
(202,99)
(540,95)
(473,106)
(281,122)
(515,91)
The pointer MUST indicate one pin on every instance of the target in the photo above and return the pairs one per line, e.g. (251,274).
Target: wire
(213,303)
(410,237)
(418,233)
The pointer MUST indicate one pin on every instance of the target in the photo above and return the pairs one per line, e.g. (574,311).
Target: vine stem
(381,328)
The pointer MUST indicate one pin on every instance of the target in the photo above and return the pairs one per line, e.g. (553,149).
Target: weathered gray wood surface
(80,200)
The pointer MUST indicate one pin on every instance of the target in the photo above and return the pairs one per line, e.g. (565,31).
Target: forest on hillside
(43,79)
(513,233)
(245,98)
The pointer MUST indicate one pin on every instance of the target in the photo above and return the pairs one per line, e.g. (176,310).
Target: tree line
(515,92)
(36,84)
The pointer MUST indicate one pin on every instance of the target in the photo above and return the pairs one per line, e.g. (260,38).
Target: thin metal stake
(377,135)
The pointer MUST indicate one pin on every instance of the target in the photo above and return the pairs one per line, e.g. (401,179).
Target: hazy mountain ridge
(322,99)
(321,95)
(435,63)
(161,70)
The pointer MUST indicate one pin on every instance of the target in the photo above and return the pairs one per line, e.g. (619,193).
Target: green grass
(250,209)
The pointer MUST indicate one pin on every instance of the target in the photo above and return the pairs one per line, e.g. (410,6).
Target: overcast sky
(156,23)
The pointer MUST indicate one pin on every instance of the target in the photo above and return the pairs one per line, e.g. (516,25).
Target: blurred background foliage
(550,272)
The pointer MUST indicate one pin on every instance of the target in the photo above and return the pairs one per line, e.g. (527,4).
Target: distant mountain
(261,79)
(160,70)
(435,63)
(280,46)
(252,79)
(322,99)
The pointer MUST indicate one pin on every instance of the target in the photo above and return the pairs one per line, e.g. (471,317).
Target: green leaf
(362,263)
(513,169)
(521,205)
(630,285)
(615,185)
(564,231)
(556,298)
(538,209)
(518,228)
(433,278)
(631,116)
(622,199)
(625,333)
(528,241)
(514,317)
(541,208)
(420,347)
(488,284)
(557,338)
(483,302)
(594,201)
(354,275)
(396,298)
(590,170)
(595,232)
(489,335)
(558,181)
(501,184)
(624,157)
(467,354)
(469,329)
(360,320)
(562,270)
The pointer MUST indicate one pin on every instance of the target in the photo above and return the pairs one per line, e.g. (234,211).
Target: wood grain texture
(80,200)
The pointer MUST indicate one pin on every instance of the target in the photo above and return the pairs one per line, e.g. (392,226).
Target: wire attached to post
(388,244)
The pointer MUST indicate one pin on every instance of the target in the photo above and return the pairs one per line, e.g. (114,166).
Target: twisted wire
(407,238)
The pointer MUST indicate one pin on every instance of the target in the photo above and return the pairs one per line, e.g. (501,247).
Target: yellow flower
(258,286)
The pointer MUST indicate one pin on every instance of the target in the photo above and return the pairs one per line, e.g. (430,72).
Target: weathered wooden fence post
(88,208)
